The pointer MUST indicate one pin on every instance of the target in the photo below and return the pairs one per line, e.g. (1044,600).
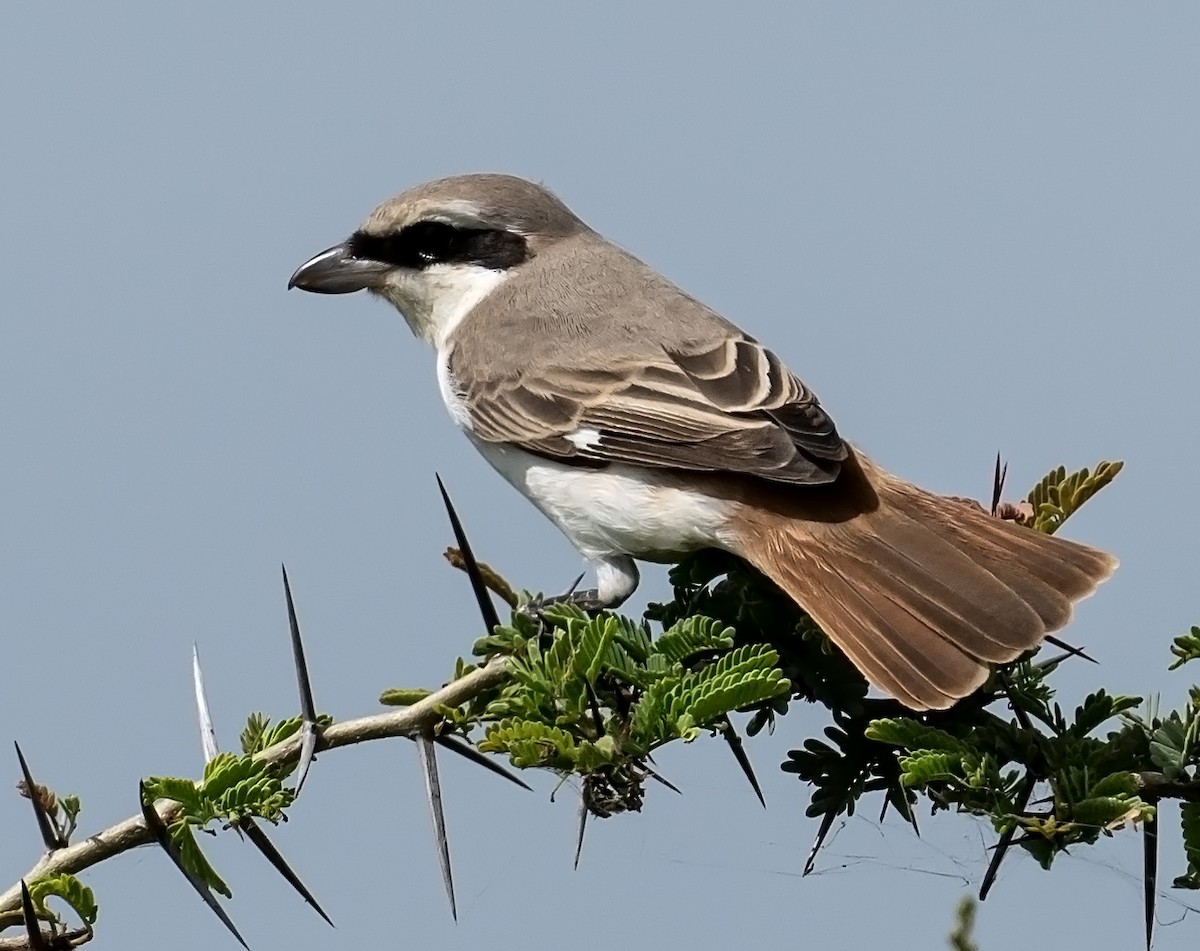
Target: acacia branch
(1158,786)
(132,832)
(66,938)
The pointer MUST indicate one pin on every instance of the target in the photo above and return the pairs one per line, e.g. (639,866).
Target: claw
(587,600)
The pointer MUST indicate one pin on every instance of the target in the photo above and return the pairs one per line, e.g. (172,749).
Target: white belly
(618,510)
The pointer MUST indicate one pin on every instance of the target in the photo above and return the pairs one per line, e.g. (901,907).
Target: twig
(65,939)
(495,583)
(1153,785)
(132,832)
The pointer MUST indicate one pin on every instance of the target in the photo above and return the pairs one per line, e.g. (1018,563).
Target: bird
(647,426)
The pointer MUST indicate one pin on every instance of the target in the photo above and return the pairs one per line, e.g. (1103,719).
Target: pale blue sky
(968,227)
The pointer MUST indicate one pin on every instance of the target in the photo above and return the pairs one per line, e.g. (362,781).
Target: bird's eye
(432,241)
(425,243)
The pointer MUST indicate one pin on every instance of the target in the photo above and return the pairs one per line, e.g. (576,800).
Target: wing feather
(728,405)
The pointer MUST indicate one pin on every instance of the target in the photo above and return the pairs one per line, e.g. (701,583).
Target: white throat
(436,299)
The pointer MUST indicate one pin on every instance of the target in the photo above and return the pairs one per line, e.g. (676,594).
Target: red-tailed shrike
(645,425)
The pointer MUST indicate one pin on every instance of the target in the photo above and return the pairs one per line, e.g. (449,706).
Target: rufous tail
(922,593)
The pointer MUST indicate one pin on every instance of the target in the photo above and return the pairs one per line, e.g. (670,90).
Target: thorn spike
(998,479)
(51,837)
(1150,872)
(666,782)
(594,705)
(208,734)
(487,610)
(308,747)
(464,749)
(909,814)
(1070,649)
(256,835)
(33,931)
(583,818)
(822,832)
(743,759)
(158,829)
(308,710)
(1021,716)
(1006,840)
(574,585)
(995,488)
(427,755)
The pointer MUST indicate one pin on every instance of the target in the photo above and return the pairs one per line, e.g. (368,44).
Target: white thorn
(427,754)
(208,735)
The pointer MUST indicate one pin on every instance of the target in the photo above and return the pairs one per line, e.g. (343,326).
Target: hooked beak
(337,271)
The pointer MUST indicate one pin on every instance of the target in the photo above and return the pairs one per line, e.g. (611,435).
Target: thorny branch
(65,939)
(132,832)
(1158,786)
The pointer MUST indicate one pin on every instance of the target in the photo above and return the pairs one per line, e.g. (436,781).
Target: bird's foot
(587,600)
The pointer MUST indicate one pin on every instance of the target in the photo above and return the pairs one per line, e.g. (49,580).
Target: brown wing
(729,406)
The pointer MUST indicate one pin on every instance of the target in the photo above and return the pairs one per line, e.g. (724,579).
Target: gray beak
(337,271)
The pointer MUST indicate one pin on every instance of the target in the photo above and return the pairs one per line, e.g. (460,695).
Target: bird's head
(436,250)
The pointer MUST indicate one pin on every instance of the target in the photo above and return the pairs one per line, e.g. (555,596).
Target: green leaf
(593,650)
(283,730)
(251,736)
(530,744)
(591,756)
(237,787)
(1186,647)
(69,889)
(71,806)
(634,638)
(1189,814)
(1116,784)
(194,859)
(403,696)
(692,635)
(183,791)
(1058,495)
(1097,708)
(233,788)
(1042,849)
(1169,746)
(260,735)
(507,640)
(1104,811)
(910,735)
(681,703)
(922,767)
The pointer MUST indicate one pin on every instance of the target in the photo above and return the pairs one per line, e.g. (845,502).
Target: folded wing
(728,405)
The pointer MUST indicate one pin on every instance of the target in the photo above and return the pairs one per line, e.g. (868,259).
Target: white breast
(617,510)
(450,394)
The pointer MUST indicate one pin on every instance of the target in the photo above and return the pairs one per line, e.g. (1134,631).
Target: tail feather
(956,593)
(923,593)
(1070,568)
(892,646)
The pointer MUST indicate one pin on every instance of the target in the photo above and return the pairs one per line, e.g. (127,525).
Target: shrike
(645,425)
